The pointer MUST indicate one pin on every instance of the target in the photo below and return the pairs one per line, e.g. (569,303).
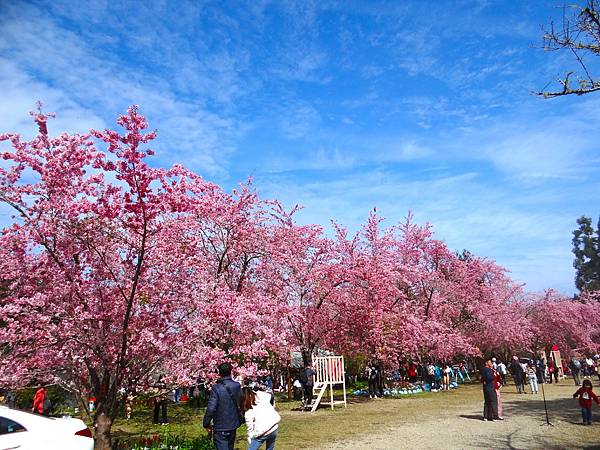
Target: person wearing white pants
(532,377)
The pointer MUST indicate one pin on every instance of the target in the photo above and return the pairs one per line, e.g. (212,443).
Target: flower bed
(167,442)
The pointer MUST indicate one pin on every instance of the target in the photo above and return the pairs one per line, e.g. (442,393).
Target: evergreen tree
(586,247)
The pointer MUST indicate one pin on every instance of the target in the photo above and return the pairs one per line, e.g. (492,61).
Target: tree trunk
(102,438)
(306,356)
(289,383)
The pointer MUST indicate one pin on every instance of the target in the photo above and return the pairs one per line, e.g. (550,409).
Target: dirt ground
(453,420)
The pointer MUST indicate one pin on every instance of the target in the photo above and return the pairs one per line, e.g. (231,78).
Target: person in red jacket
(38,400)
(586,394)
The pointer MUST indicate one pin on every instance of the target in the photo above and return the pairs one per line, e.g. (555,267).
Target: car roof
(24,416)
(28,420)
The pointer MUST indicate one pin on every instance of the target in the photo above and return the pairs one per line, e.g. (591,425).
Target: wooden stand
(329,372)
(555,355)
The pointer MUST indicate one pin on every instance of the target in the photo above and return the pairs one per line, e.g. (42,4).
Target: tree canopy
(586,247)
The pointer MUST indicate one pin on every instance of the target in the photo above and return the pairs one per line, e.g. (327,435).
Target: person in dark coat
(223,416)
(518,374)
(374,377)
(307,378)
(160,409)
(490,397)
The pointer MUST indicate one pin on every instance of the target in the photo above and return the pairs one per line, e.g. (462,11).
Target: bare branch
(580,34)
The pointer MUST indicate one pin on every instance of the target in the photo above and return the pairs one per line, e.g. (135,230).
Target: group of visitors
(439,376)
(586,367)
(230,405)
(433,375)
(304,385)
(533,372)
(524,371)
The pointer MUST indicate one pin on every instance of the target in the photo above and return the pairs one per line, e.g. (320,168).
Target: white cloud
(83,77)
(532,144)
(466,210)
(19,96)
(299,119)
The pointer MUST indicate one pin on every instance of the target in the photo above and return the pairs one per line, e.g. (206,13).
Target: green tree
(586,247)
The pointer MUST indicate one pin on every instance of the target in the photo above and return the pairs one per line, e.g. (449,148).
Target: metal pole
(545,407)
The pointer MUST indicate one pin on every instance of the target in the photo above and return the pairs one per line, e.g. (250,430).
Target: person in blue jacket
(223,416)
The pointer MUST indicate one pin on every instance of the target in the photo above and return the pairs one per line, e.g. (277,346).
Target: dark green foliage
(197,402)
(57,395)
(586,247)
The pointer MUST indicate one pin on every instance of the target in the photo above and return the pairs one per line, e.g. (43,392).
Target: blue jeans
(586,413)
(269,439)
(224,440)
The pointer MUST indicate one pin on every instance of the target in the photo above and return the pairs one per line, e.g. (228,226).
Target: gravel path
(458,425)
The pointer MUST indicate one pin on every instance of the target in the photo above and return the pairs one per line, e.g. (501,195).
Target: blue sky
(338,106)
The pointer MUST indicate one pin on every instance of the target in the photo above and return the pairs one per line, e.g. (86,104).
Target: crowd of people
(586,367)
(230,404)
(251,401)
(535,372)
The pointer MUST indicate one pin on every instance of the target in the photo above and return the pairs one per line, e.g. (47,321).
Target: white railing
(329,371)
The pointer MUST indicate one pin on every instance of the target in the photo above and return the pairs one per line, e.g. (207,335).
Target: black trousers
(519,383)
(373,388)
(308,393)
(160,409)
(490,398)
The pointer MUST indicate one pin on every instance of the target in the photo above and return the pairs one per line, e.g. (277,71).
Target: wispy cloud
(467,211)
(19,91)
(342,106)
(93,79)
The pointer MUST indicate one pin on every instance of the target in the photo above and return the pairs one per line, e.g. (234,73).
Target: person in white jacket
(262,421)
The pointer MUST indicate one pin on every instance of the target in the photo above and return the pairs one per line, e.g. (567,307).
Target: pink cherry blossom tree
(307,276)
(104,285)
(115,273)
(563,321)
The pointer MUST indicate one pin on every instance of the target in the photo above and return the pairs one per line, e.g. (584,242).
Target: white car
(25,431)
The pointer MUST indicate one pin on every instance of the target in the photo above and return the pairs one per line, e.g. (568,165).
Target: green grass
(380,417)
(297,426)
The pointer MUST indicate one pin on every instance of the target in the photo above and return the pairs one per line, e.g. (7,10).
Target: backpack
(47,405)
(576,364)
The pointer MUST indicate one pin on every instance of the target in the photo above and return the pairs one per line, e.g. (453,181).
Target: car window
(10,426)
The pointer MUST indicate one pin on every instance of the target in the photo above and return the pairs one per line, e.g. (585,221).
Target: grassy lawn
(300,429)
